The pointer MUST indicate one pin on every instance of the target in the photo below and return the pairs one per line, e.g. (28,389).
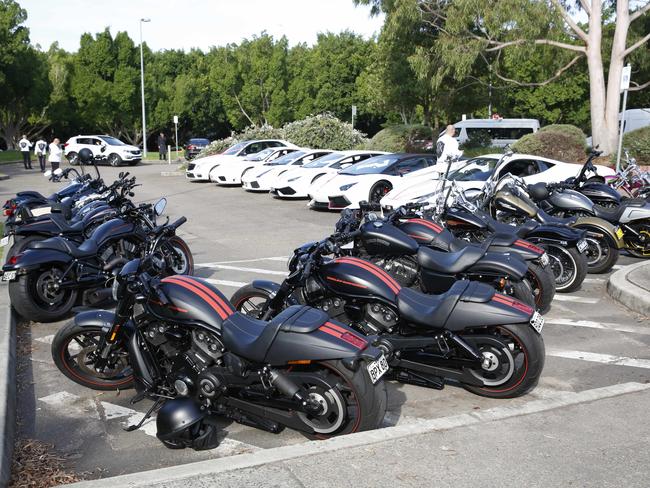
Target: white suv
(105,148)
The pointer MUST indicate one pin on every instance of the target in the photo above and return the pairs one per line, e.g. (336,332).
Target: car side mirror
(160,205)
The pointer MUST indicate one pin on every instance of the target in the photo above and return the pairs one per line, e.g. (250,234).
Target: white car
(296,183)
(199,169)
(473,174)
(370,180)
(108,148)
(230,172)
(261,178)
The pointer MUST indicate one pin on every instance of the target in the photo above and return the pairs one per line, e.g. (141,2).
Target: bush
(251,132)
(562,142)
(478,139)
(637,142)
(402,138)
(323,131)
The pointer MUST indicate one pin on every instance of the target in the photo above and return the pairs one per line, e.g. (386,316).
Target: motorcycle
(631,182)
(487,342)
(180,343)
(45,280)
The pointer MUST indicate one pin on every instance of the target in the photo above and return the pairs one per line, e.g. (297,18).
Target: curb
(7,386)
(627,293)
(4,176)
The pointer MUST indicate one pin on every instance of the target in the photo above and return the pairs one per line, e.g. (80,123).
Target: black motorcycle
(50,277)
(179,341)
(487,342)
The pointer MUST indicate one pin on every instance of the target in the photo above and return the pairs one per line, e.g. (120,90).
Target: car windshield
(111,141)
(287,158)
(199,142)
(374,165)
(232,150)
(262,155)
(477,169)
(324,161)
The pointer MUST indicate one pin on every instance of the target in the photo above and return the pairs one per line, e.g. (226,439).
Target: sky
(186,24)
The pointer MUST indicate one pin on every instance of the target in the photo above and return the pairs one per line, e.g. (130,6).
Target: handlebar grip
(177,223)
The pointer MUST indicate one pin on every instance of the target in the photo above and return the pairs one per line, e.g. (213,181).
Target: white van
(503,131)
(635,118)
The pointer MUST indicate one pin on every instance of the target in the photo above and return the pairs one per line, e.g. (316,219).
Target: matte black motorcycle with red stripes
(487,342)
(179,340)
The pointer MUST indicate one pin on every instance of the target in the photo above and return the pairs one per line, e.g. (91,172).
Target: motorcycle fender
(499,310)
(600,225)
(556,233)
(272,288)
(41,227)
(35,259)
(522,249)
(501,264)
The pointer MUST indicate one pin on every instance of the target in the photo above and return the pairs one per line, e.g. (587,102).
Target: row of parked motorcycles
(408,295)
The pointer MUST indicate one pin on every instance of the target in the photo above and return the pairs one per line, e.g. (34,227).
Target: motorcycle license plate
(582,245)
(9,275)
(619,233)
(537,322)
(377,369)
(4,241)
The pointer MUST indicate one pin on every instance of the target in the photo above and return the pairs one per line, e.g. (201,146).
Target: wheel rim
(378,193)
(74,160)
(595,252)
(333,415)
(112,159)
(180,264)
(563,266)
(501,360)
(78,355)
(640,249)
(47,289)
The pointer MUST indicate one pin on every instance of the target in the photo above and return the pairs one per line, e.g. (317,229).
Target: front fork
(109,340)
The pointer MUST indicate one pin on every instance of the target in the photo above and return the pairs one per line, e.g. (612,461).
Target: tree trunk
(597,90)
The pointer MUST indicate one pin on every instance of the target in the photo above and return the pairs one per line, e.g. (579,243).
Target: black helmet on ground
(181,423)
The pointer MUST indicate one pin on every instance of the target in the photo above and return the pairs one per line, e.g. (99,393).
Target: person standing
(162,146)
(55,154)
(24,146)
(447,146)
(40,149)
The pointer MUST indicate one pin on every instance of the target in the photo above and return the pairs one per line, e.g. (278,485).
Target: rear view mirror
(160,205)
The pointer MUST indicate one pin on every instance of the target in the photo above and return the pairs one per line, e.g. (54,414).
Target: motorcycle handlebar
(177,223)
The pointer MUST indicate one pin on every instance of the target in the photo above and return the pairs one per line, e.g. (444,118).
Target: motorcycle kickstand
(156,405)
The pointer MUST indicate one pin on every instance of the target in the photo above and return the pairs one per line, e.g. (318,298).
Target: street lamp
(144,121)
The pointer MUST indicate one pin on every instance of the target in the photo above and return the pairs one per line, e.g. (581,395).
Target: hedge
(401,138)
(560,141)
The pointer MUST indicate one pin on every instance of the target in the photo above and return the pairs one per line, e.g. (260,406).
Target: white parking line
(599,325)
(247,270)
(46,339)
(234,284)
(595,357)
(570,298)
(256,260)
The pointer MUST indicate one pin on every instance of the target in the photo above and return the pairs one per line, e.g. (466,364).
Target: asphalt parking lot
(591,341)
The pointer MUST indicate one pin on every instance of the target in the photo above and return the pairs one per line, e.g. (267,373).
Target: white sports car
(230,172)
(295,183)
(261,178)
(370,180)
(199,169)
(473,174)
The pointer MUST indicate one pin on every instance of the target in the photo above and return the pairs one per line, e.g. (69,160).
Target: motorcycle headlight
(347,187)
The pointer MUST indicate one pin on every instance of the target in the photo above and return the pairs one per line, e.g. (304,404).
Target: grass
(11,157)
(153,155)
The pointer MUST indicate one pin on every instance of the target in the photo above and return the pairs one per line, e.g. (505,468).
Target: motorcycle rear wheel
(34,298)
(543,286)
(569,267)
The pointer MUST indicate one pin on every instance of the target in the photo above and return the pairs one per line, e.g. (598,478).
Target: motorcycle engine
(403,268)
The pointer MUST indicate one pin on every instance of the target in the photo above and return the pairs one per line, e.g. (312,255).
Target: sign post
(354,114)
(176,133)
(625,86)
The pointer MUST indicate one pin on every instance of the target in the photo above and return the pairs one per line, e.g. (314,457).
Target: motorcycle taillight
(14,259)
(8,212)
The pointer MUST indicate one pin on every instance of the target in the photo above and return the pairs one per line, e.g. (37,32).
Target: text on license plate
(582,245)
(377,369)
(9,275)
(537,322)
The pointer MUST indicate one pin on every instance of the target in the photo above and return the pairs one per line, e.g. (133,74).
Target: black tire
(378,190)
(85,375)
(569,267)
(527,355)
(365,403)
(21,244)
(248,300)
(114,159)
(542,283)
(601,254)
(522,291)
(73,158)
(186,267)
(31,300)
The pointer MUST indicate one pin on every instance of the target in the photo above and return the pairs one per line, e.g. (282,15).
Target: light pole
(144,118)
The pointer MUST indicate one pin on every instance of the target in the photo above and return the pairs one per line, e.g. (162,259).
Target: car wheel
(378,191)
(73,158)
(114,159)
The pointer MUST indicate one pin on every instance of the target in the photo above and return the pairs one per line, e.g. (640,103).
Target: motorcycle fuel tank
(384,239)
(600,193)
(570,200)
(505,201)
(113,229)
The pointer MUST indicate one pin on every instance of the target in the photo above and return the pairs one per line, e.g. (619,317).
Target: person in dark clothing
(162,146)
(24,146)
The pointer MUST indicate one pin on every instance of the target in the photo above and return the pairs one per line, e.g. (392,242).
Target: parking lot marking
(599,358)
(594,280)
(247,270)
(234,284)
(46,339)
(272,258)
(569,298)
(59,398)
(600,325)
(112,411)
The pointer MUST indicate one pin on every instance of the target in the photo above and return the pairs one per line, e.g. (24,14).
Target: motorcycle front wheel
(569,267)
(74,351)
(513,360)
(36,295)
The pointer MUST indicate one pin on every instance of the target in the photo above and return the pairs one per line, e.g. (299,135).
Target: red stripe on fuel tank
(435,227)
(529,246)
(378,272)
(512,302)
(224,303)
(336,280)
(197,291)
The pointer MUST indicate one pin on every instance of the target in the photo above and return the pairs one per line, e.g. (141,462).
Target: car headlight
(294,179)
(347,187)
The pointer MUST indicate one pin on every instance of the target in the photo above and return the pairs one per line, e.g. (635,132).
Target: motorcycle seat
(67,227)
(31,194)
(545,218)
(252,338)
(429,310)
(609,214)
(87,248)
(449,262)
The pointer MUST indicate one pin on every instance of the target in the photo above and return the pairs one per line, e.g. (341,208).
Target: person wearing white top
(40,149)
(24,146)
(55,154)
(447,146)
